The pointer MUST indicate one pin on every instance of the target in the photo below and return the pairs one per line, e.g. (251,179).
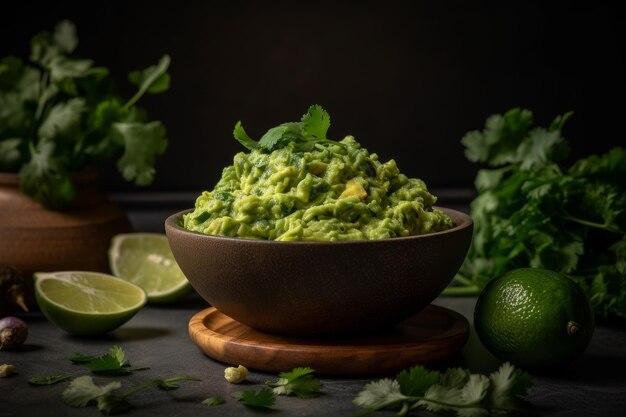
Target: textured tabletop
(157,337)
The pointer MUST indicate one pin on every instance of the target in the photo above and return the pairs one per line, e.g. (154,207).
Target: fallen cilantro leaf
(380,394)
(82,392)
(456,392)
(508,385)
(263,399)
(80,358)
(299,382)
(416,380)
(114,362)
(215,400)
(47,379)
(171,383)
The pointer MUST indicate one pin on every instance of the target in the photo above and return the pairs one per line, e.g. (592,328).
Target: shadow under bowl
(320,288)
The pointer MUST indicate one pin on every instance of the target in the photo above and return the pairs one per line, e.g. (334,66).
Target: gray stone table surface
(594,385)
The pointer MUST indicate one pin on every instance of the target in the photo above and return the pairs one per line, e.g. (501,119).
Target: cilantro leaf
(142,143)
(215,400)
(113,362)
(11,70)
(80,358)
(153,79)
(45,177)
(280,136)
(454,378)
(507,385)
(9,154)
(263,399)
(497,144)
(416,380)
(65,36)
(379,394)
(63,119)
(316,122)
(83,390)
(242,137)
(299,382)
(48,379)
(63,68)
(171,383)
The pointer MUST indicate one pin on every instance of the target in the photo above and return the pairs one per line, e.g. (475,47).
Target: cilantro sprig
(262,399)
(456,392)
(61,113)
(311,129)
(113,362)
(299,382)
(534,209)
(83,391)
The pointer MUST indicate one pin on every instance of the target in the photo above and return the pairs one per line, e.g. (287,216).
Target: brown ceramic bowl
(304,288)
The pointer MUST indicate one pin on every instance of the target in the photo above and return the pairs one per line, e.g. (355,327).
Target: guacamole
(334,191)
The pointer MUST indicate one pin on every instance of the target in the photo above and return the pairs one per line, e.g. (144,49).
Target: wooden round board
(433,334)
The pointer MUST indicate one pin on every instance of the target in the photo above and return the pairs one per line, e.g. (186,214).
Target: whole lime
(534,318)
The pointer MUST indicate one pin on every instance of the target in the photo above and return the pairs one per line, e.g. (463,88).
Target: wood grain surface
(433,334)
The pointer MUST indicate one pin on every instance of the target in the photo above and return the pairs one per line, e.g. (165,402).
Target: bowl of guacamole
(307,235)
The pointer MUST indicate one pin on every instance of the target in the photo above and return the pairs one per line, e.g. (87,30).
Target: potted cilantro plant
(60,116)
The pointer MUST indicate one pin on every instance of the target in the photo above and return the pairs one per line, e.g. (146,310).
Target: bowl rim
(171,222)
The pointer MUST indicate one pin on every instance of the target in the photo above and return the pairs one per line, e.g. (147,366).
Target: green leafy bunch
(454,392)
(60,113)
(311,129)
(534,210)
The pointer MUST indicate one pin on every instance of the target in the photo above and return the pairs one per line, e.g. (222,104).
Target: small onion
(13,332)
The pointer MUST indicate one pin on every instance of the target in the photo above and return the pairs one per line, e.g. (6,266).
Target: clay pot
(34,238)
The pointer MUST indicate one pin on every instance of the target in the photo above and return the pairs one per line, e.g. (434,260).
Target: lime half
(87,303)
(146,259)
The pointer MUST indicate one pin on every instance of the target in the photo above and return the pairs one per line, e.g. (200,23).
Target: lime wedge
(87,303)
(146,259)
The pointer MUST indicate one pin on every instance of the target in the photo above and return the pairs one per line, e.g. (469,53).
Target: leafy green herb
(60,114)
(456,391)
(534,210)
(82,392)
(216,400)
(114,362)
(263,399)
(299,382)
(311,129)
(48,379)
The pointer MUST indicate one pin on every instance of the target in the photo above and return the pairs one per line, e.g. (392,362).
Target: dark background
(408,79)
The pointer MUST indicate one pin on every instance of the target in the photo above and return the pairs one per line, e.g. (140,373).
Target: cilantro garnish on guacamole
(295,184)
